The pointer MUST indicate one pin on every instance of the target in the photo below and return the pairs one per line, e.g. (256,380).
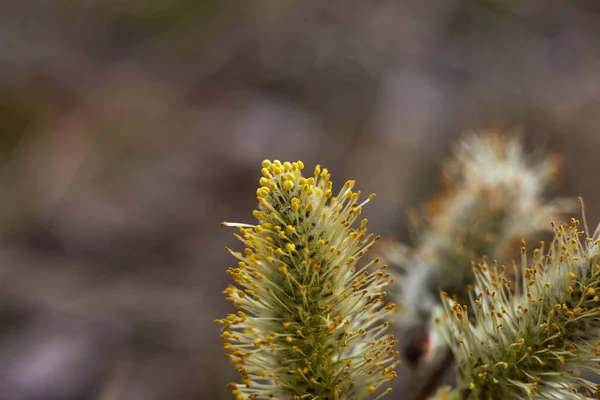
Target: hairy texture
(533,343)
(312,323)
(493,197)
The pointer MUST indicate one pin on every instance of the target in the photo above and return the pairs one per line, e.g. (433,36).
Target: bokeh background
(130,128)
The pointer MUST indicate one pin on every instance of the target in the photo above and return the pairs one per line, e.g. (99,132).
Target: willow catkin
(534,343)
(312,321)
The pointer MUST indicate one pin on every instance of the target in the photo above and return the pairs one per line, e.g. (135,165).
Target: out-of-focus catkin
(493,197)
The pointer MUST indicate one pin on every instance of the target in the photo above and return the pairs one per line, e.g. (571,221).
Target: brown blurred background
(130,129)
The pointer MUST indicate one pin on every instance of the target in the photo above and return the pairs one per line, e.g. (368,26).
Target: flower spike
(312,322)
(535,342)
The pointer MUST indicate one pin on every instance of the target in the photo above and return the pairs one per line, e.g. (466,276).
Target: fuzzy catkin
(493,197)
(532,344)
(312,323)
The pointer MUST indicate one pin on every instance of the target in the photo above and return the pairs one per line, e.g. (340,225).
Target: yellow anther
(288,185)
(266,173)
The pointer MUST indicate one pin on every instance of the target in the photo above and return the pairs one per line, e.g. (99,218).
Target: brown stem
(426,378)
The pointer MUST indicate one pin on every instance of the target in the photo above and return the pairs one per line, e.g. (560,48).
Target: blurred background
(130,129)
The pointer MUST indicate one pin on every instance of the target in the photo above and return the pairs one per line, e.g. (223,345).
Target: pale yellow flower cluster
(312,322)
(535,343)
